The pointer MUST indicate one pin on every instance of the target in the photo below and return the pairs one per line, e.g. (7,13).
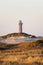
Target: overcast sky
(29,11)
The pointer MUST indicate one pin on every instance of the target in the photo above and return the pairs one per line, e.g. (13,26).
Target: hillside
(16,38)
(24,53)
(17,35)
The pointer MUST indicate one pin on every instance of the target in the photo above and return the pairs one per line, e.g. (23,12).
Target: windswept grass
(25,53)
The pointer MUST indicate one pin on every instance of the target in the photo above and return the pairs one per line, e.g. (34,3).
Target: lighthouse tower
(20,26)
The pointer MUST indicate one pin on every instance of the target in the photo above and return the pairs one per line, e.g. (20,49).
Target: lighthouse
(20,26)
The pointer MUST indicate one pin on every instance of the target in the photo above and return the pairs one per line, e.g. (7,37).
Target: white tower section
(20,26)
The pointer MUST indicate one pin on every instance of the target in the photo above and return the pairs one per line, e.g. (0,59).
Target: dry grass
(26,52)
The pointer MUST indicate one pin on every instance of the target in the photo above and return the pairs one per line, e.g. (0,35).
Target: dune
(22,53)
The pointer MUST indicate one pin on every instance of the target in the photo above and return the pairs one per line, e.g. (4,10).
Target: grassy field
(25,53)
